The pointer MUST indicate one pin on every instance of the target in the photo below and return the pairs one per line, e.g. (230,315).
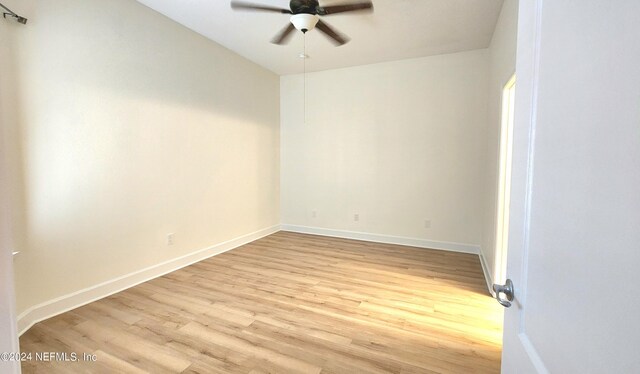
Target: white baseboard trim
(387,239)
(79,298)
(487,274)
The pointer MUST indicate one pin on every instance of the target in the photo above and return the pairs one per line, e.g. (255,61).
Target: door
(574,227)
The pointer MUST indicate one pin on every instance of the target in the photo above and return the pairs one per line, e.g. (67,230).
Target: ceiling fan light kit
(304,21)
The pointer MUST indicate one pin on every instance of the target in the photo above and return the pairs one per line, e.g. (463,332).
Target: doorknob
(507,290)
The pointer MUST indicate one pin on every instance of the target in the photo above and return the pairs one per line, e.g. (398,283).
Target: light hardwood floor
(289,303)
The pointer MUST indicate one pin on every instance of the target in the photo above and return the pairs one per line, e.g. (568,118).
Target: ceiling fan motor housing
(304,21)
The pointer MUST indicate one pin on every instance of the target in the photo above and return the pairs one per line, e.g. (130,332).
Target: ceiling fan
(305,16)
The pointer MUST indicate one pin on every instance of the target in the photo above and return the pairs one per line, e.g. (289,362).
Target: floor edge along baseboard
(62,304)
(386,239)
(487,274)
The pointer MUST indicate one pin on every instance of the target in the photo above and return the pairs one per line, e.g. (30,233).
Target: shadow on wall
(120,85)
(121,46)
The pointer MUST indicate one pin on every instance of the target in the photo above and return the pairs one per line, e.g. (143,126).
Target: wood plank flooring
(289,303)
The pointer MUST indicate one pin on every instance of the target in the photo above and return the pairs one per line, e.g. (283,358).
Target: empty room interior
(338,186)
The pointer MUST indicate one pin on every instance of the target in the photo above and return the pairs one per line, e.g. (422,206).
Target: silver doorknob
(507,290)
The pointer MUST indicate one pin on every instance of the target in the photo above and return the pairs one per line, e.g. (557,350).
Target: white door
(574,237)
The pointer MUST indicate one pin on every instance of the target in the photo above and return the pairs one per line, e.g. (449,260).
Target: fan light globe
(304,22)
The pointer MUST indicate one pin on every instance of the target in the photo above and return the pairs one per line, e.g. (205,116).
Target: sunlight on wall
(504,192)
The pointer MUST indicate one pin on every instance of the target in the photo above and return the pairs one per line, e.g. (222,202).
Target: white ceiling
(396,30)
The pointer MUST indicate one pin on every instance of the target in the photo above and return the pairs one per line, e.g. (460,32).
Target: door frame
(8,321)
(504,180)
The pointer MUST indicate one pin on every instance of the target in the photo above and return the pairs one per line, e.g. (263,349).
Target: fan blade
(258,7)
(336,37)
(284,35)
(353,7)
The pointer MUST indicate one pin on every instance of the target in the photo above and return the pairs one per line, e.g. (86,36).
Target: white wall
(502,54)
(8,331)
(133,127)
(397,143)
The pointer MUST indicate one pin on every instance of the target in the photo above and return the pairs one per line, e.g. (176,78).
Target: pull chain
(304,84)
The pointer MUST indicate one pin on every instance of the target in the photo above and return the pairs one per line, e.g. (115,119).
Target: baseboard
(387,239)
(77,299)
(487,274)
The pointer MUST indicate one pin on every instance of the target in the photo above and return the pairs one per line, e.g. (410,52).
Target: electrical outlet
(170,239)
(356,217)
(314,214)
(427,224)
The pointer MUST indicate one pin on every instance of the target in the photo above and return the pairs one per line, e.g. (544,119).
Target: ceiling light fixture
(304,22)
